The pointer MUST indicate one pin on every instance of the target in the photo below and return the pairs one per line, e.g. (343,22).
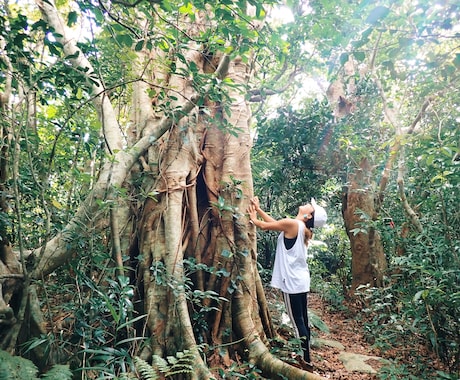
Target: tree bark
(10,274)
(359,212)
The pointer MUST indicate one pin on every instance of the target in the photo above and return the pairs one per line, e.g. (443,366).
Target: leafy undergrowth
(344,326)
(337,320)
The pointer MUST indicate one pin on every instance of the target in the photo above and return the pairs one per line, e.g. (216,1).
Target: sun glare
(279,15)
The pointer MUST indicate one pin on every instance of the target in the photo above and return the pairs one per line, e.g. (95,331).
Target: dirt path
(343,332)
(345,338)
(346,331)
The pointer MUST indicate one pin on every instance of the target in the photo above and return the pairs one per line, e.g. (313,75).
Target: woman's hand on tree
(255,202)
(252,212)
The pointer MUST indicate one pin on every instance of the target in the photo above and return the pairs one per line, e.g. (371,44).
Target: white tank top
(290,270)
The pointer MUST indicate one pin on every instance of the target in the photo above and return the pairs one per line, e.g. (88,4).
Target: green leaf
(72,18)
(124,39)
(364,38)
(58,371)
(57,204)
(139,45)
(448,71)
(51,111)
(53,49)
(344,58)
(317,322)
(35,343)
(98,14)
(226,253)
(186,9)
(166,5)
(394,53)
(420,294)
(359,55)
(405,42)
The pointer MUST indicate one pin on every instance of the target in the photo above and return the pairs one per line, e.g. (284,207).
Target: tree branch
(398,138)
(116,19)
(57,250)
(402,194)
(101,102)
(5,95)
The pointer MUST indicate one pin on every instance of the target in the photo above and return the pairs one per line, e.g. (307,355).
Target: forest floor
(346,336)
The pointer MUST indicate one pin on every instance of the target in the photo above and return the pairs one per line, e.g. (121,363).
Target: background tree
(392,74)
(375,56)
(381,67)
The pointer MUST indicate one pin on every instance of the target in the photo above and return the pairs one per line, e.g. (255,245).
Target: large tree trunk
(203,183)
(360,202)
(359,212)
(197,178)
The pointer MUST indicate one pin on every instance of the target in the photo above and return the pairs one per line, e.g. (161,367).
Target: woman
(290,271)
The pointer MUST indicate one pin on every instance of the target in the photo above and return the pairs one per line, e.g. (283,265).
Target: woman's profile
(290,270)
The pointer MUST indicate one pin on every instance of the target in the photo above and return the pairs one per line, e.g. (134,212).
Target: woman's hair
(310,222)
(308,231)
(308,234)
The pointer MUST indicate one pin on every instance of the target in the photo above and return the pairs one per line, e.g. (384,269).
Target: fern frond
(145,369)
(16,368)
(128,376)
(161,364)
(184,370)
(171,360)
(181,363)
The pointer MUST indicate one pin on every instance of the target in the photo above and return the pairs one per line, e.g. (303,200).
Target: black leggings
(296,307)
